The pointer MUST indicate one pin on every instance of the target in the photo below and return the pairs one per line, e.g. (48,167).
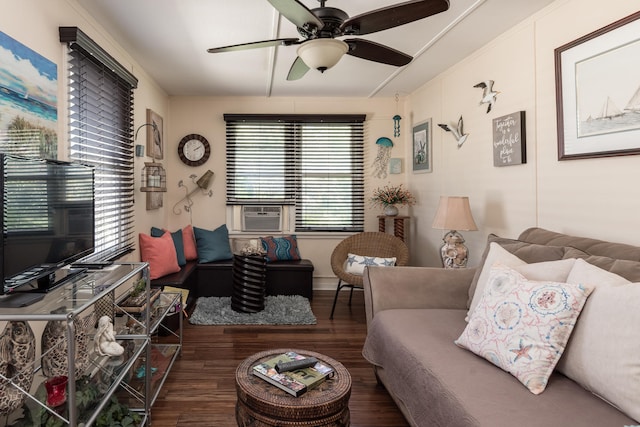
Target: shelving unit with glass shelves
(97,385)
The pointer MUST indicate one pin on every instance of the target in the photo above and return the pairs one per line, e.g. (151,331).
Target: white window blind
(101,135)
(314,162)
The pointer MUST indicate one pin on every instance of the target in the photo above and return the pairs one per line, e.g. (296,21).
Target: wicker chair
(376,244)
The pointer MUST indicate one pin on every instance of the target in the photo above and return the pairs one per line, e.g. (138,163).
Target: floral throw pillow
(523,326)
(357,263)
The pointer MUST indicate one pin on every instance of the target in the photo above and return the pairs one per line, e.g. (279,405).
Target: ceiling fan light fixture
(322,54)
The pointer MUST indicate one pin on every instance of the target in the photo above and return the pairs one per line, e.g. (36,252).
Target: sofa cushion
(556,271)
(355,264)
(160,253)
(189,243)
(177,242)
(523,326)
(628,269)
(213,245)
(603,354)
(527,252)
(283,248)
(444,385)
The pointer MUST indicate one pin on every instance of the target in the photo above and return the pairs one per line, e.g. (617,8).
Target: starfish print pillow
(523,326)
(355,264)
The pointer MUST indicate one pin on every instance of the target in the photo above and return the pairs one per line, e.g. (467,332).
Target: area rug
(278,310)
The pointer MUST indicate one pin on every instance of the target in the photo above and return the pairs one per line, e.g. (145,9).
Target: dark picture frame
(510,140)
(597,92)
(421,149)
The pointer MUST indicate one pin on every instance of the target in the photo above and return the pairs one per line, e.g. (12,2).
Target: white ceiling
(170,38)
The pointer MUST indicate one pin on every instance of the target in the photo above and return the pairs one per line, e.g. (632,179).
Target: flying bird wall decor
(488,94)
(456,131)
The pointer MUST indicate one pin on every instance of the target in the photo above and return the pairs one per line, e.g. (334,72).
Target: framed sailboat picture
(598,92)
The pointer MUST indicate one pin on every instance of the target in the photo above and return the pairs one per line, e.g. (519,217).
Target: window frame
(299,135)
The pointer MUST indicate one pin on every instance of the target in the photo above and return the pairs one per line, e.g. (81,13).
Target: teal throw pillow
(283,248)
(177,242)
(213,245)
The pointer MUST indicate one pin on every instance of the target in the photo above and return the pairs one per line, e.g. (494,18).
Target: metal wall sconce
(202,184)
(153,176)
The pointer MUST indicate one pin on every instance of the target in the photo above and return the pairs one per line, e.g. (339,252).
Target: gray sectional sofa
(414,315)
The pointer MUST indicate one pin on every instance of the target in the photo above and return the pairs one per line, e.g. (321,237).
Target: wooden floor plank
(200,390)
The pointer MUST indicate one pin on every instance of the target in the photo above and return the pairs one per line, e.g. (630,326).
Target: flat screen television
(47,220)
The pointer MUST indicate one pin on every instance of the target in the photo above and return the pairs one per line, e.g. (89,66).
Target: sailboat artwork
(611,118)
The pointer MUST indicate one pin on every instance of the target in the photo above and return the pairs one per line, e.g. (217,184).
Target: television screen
(47,217)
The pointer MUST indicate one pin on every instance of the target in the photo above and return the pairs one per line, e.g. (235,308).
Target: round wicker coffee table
(262,404)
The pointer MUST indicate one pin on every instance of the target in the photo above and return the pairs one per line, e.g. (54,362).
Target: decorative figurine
(381,161)
(488,94)
(458,132)
(105,339)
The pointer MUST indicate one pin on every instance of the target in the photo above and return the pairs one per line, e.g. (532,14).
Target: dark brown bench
(215,279)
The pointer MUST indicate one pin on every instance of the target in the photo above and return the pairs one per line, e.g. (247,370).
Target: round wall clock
(194,150)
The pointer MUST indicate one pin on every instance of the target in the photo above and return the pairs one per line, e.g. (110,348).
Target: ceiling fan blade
(376,52)
(392,16)
(298,14)
(254,45)
(298,69)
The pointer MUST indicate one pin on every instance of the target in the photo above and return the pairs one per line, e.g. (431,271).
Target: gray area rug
(278,310)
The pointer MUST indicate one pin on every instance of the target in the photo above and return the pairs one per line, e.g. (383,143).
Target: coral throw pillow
(189,243)
(177,242)
(283,248)
(523,326)
(160,253)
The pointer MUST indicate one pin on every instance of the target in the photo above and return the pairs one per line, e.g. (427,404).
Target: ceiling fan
(320,49)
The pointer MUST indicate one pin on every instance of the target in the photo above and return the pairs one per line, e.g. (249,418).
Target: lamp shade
(454,213)
(322,54)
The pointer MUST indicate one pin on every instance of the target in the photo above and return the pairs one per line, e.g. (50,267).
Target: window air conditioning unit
(261,218)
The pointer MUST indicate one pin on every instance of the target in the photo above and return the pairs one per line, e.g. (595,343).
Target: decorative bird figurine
(458,132)
(488,94)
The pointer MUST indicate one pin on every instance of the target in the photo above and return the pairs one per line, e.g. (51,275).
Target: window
(313,162)
(101,135)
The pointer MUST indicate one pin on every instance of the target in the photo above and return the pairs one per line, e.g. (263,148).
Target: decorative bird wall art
(456,131)
(488,94)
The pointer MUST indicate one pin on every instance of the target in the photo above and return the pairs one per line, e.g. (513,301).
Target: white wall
(597,198)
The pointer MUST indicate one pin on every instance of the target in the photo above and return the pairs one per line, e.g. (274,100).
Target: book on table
(295,382)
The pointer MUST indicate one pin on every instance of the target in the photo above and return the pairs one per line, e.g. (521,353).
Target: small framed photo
(422,147)
(509,140)
(155,136)
(598,92)
(395,165)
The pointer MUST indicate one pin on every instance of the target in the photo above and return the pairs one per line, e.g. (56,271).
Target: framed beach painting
(598,92)
(28,101)
(422,147)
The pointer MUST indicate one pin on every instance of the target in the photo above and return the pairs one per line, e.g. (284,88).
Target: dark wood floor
(200,390)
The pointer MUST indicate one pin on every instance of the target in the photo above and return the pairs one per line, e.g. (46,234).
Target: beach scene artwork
(28,101)
(608,95)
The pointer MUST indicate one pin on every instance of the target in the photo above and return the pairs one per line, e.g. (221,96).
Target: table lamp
(454,214)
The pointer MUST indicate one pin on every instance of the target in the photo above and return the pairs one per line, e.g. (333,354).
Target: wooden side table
(261,404)
(398,225)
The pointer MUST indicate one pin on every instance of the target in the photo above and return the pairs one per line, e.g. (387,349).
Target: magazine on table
(295,382)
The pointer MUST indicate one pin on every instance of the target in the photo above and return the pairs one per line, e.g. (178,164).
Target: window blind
(313,162)
(101,135)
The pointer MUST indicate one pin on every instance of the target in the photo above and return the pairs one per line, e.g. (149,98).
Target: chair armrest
(415,287)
